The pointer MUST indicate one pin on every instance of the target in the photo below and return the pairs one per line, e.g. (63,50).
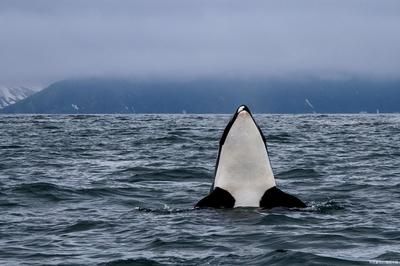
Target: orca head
(243,167)
(242,113)
(243,108)
(243,173)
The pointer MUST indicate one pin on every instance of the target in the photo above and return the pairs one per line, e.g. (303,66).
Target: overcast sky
(42,41)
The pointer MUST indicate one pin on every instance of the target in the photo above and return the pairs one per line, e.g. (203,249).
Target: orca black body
(243,173)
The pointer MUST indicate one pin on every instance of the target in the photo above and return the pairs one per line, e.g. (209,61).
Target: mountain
(10,96)
(213,96)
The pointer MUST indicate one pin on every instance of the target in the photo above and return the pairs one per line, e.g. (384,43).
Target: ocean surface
(120,190)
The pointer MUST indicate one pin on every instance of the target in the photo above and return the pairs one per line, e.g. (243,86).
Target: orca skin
(243,173)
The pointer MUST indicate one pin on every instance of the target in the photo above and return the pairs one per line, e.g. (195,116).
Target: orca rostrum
(243,173)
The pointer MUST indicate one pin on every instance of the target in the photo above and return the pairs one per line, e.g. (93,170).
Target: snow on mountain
(12,95)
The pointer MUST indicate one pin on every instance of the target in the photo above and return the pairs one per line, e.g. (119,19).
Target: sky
(43,41)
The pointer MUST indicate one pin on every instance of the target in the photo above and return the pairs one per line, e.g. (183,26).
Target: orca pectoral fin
(274,197)
(218,198)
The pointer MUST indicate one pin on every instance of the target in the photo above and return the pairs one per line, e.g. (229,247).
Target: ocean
(120,190)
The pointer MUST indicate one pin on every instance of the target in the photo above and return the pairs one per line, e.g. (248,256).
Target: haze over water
(114,190)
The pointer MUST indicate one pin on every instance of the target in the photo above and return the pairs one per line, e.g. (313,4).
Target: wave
(11,147)
(138,174)
(136,262)
(56,193)
(280,138)
(274,257)
(388,257)
(299,173)
(84,225)
(293,257)
(42,190)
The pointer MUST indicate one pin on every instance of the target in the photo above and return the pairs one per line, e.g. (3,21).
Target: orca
(243,174)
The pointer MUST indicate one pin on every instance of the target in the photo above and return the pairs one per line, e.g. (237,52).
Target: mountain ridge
(85,96)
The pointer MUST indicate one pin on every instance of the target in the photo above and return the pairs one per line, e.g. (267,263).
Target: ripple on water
(84,225)
(120,190)
(299,173)
(139,174)
(41,190)
(136,261)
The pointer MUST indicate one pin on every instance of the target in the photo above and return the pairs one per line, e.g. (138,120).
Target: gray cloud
(45,40)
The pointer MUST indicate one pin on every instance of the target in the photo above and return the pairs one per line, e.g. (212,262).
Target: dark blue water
(119,190)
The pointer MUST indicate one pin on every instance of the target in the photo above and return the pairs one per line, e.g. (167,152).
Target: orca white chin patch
(243,168)
(243,173)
